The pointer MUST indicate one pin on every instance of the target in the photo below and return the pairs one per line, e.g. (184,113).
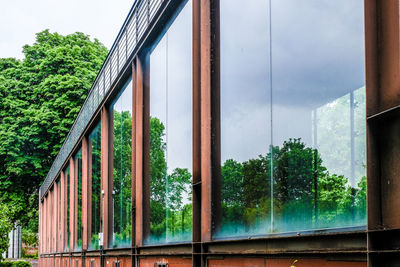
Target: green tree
(122,175)
(5,228)
(158,177)
(178,190)
(232,179)
(40,97)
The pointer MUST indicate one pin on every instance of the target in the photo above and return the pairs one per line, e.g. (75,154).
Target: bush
(6,264)
(21,264)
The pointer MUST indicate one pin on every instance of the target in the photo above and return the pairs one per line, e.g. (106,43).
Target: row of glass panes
(292,129)
(117,59)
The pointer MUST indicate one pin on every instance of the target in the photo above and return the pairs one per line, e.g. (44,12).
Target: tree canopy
(40,97)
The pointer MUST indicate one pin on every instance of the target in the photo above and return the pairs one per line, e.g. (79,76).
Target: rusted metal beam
(62,207)
(85,194)
(104,173)
(72,212)
(139,152)
(205,88)
(196,120)
(134,157)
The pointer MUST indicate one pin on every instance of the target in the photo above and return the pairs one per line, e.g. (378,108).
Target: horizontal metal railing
(131,32)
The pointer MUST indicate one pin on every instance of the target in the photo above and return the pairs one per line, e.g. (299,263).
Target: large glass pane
(292,116)
(67,212)
(245,119)
(318,114)
(122,168)
(78,223)
(95,186)
(171,133)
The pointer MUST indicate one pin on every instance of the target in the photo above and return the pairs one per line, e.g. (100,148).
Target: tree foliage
(5,228)
(40,96)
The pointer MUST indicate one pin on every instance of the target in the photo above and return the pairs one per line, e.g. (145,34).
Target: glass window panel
(318,114)
(171,133)
(122,168)
(67,210)
(95,180)
(78,175)
(245,119)
(292,137)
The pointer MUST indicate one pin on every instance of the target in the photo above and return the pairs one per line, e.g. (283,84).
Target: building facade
(235,133)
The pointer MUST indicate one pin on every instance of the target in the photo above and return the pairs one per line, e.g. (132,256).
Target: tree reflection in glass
(171,133)
(95,186)
(122,168)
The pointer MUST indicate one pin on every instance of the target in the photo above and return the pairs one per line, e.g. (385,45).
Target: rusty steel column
(51,218)
(382,34)
(40,250)
(104,204)
(85,192)
(210,117)
(62,218)
(205,87)
(196,135)
(133,166)
(55,210)
(89,192)
(72,201)
(142,190)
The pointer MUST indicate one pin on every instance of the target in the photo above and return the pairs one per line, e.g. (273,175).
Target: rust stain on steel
(72,212)
(196,200)
(205,87)
(389,57)
(62,212)
(139,152)
(104,174)
(85,192)
(134,158)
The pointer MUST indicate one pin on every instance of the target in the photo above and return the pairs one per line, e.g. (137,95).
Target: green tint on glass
(318,115)
(293,133)
(95,179)
(67,213)
(122,168)
(171,133)
(78,175)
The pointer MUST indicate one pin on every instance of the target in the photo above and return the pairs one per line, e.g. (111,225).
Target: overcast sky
(20,20)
